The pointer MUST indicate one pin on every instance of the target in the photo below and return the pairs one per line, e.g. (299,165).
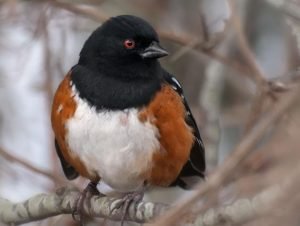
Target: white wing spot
(176,82)
(59,109)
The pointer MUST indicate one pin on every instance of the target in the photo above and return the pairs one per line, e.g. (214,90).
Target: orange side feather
(64,108)
(167,112)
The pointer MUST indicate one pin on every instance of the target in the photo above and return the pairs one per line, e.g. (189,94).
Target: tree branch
(63,201)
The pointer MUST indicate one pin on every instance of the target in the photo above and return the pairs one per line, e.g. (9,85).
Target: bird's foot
(127,200)
(89,191)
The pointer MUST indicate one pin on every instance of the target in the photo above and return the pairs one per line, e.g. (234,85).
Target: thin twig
(263,89)
(247,54)
(185,40)
(184,49)
(81,9)
(29,166)
(255,111)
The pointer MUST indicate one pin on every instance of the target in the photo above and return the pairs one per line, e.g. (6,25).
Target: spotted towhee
(119,117)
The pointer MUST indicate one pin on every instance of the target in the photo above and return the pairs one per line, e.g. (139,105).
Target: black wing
(69,170)
(196,164)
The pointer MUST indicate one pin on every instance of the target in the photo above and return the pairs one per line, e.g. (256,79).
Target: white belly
(115,145)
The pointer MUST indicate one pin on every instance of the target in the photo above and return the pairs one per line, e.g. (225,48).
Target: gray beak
(154,51)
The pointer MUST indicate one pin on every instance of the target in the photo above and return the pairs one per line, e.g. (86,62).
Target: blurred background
(236,60)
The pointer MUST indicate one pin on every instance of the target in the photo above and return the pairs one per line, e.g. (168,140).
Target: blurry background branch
(81,9)
(12,158)
(289,7)
(244,210)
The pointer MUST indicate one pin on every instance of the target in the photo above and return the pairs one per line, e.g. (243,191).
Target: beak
(153,51)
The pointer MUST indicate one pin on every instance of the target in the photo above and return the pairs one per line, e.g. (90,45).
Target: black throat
(107,90)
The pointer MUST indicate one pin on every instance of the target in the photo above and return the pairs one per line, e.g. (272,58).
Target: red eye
(129,44)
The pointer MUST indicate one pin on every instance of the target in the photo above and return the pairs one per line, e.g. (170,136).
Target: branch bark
(63,201)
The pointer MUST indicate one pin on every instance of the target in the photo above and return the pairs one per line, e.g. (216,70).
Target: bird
(120,118)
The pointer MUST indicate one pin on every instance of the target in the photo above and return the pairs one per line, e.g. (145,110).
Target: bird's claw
(89,191)
(127,200)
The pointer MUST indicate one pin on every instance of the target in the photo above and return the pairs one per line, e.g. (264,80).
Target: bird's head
(127,43)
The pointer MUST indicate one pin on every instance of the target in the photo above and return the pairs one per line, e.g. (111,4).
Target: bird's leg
(89,191)
(133,197)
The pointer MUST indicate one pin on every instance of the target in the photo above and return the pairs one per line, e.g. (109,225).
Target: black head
(118,66)
(125,43)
